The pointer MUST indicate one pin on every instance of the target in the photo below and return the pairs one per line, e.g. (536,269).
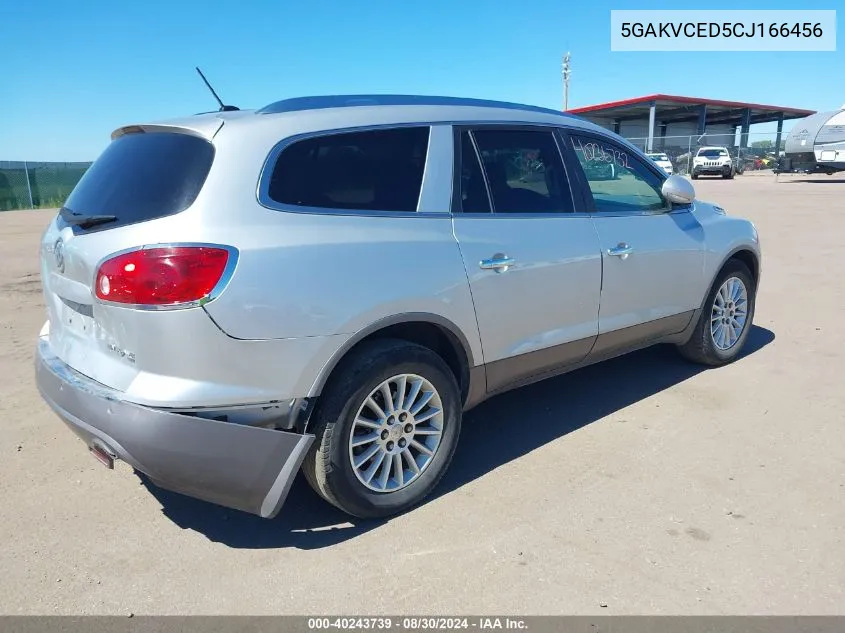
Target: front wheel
(386,429)
(726,319)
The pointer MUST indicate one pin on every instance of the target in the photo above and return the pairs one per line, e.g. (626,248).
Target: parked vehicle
(816,144)
(328,283)
(662,161)
(713,161)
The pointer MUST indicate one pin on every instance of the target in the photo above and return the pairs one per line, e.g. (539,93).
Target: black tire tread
(699,348)
(326,418)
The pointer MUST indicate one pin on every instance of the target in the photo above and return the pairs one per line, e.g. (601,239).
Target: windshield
(658,156)
(712,153)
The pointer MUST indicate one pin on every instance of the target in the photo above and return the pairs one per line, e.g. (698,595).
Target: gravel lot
(643,485)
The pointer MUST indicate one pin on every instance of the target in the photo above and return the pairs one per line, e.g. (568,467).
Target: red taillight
(161,276)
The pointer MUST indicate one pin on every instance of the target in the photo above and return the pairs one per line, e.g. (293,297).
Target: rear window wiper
(85,221)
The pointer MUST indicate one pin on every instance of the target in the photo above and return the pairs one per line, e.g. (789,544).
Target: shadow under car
(545,411)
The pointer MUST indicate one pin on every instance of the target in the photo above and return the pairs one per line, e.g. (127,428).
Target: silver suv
(327,283)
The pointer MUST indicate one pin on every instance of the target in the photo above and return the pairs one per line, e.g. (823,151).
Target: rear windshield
(141,177)
(712,153)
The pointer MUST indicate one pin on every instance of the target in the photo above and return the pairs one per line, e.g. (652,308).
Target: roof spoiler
(205,127)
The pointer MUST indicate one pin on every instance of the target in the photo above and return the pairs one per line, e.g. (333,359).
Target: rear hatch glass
(139,177)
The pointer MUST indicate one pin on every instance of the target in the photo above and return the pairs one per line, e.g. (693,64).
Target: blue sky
(74,71)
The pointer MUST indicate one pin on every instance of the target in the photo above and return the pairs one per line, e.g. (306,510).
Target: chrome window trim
(220,286)
(263,184)
(480,163)
(626,214)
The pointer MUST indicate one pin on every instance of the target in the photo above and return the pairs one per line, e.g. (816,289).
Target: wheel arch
(433,331)
(747,257)
(742,253)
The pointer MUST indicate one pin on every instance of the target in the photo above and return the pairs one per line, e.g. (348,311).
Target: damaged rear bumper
(233,465)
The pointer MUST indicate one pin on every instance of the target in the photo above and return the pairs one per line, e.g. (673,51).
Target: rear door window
(524,170)
(473,189)
(142,176)
(376,170)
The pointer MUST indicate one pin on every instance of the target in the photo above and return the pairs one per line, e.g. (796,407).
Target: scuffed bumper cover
(241,467)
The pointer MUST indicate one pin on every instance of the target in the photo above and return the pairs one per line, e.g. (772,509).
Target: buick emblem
(59,254)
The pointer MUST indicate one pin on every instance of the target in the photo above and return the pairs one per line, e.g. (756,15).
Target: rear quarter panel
(324,274)
(308,275)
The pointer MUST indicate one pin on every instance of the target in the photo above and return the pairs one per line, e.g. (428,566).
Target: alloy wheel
(396,433)
(729,313)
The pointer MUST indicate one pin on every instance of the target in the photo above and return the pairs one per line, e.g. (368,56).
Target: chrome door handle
(499,263)
(621,250)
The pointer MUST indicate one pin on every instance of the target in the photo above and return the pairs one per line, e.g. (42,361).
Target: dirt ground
(644,485)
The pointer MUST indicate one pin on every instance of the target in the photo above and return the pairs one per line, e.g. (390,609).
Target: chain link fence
(25,185)
(758,154)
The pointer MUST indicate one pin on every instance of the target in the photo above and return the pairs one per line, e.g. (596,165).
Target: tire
(695,175)
(702,347)
(329,468)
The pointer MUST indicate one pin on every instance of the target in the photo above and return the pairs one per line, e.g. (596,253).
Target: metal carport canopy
(665,109)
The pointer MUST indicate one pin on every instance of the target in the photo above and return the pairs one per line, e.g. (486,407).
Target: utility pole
(567,72)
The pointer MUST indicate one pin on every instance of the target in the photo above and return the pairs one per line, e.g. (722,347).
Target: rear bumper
(242,467)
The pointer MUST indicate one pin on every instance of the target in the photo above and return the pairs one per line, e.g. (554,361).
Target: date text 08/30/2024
(416,623)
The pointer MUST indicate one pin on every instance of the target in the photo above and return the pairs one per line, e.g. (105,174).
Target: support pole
(28,186)
(702,119)
(689,155)
(746,126)
(567,73)
(652,111)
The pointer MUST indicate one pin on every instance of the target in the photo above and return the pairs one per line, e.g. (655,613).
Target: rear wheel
(725,322)
(386,429)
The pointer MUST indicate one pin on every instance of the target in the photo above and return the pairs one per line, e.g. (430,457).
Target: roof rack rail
(347,101)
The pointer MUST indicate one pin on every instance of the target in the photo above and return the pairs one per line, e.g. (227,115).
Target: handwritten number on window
(594,152)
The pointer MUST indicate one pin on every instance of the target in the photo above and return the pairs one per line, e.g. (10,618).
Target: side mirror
(678,189)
